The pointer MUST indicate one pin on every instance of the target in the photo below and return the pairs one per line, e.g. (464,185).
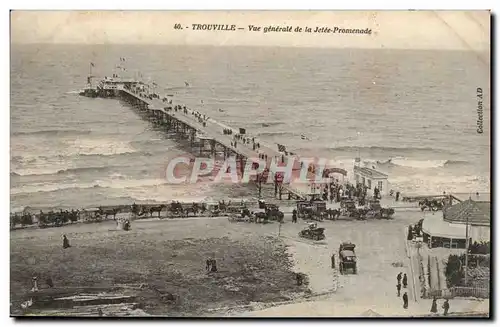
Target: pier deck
(215,131)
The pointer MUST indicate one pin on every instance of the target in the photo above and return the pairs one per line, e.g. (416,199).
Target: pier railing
(214,130)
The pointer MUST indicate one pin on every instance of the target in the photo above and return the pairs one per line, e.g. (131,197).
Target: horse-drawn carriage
(349,210)
(312,232)
(91,215)
(431,204)
(312,210)
(375,211)
(214,210)
(243,215)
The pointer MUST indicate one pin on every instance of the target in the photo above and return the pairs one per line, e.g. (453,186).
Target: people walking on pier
(400,275)
(398,287)
(405,281)
(405,300)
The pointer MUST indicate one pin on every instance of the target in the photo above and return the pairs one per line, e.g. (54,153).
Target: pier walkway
(215,131)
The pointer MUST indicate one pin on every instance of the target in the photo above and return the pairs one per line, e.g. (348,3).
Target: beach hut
(372,178)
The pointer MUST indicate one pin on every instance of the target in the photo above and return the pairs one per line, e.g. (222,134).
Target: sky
(447,30)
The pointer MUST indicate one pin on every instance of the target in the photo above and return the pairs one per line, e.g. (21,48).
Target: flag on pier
(281,148)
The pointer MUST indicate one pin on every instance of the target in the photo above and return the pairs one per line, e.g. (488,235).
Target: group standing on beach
(404,279)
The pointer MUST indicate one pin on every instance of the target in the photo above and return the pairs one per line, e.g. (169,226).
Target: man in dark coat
(49,282)
(405,281)
(294,216)
(446,307)
(65,242)
(399,277)
(405,301)
(213,265)
(333,261)
(208,264)
(398,287)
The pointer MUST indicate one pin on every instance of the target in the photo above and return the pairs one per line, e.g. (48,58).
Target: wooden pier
(200,131)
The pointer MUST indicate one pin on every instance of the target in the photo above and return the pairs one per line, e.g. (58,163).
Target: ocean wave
(98,147)
(381,149)
(51,132)
(266,123)
(41,171)
(113,184)
(421,164)
(275,134)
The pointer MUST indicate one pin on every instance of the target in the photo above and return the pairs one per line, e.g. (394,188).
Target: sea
(409,113)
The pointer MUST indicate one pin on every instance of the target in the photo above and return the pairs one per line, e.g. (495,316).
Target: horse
(193,209)
(176,208)
(111,212)
(260,216)
(156,209)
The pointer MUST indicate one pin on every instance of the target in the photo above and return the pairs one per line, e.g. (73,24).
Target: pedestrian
(446,307)
(333,261)
(294,216)
(399,277)
(405,301)
(398,287)
(405,281)
(34,280)
(65,242)
(49,282)
(434,308)
(208,262)
(299,279)
(213,265)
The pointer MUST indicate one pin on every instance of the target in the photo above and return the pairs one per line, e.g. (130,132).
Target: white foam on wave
(105,147)
(165,193)
(113,183)
(439,183)
(36,171)
(419,164)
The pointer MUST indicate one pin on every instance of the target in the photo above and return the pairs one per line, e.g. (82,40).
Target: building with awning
(439,233)
(450,231)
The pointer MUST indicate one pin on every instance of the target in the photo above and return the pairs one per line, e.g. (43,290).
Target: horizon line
(248,46)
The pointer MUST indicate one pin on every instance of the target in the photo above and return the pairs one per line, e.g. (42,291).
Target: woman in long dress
(434,308)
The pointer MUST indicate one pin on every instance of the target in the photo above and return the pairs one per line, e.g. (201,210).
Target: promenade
(214,130)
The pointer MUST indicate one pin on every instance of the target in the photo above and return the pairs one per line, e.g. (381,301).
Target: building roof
(436,227)
(478,197)
(368,172)
(476,213)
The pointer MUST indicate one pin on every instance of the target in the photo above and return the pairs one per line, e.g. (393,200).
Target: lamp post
(466,248)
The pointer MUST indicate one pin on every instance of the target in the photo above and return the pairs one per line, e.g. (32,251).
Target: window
(380,184)
(370,184)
